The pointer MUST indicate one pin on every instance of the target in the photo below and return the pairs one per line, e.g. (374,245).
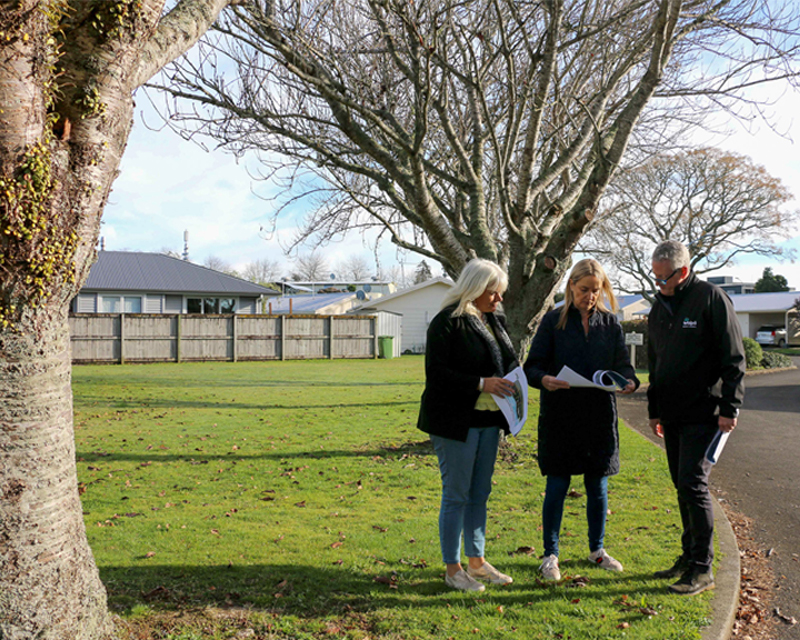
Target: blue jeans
(553,510)
(466,469)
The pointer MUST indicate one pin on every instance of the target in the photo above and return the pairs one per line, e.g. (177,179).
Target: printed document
(515,406)
(605,380)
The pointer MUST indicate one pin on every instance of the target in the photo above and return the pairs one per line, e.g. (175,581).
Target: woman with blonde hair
(466,356)
(578,427)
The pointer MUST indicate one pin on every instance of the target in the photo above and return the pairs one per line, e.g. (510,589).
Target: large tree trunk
(67,74)
(49,584)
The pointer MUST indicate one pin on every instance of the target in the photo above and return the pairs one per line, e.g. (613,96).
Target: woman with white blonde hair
(578,427)
(466,356)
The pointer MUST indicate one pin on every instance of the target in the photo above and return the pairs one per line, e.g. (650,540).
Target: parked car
(771,334)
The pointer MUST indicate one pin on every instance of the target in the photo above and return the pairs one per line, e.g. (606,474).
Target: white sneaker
(489,574)
(549,568)
(463,582)
(605,561)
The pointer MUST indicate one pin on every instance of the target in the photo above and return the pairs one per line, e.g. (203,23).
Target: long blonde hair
(478,276)
(583,268)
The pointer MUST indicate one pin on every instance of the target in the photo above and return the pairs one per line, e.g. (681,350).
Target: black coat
(695,353)
(578,427)
(459,351)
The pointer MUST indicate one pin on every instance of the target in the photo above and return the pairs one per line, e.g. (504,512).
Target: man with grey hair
(697,364)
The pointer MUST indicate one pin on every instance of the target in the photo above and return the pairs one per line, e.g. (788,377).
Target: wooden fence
(120,338)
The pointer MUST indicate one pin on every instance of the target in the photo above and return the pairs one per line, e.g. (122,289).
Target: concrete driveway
(759,474)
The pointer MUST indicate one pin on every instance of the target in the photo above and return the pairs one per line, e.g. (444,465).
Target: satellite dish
(367,288)
(361,295)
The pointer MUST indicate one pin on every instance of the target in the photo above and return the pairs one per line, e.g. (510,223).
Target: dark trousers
(686,444)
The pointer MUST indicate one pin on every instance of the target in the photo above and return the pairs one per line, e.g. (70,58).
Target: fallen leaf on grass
(528,551)
(392,582)
(215,532)
(149,554)
(337,544)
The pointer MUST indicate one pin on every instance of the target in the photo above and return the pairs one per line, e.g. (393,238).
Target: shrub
(753,353)
(771,360)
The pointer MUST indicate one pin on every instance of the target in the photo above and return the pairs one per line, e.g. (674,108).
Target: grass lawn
(298,500)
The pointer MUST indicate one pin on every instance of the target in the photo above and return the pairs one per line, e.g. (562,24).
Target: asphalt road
(759,474)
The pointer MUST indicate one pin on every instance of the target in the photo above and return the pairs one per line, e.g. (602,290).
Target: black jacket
(578,427)
(695,355)
(460,351)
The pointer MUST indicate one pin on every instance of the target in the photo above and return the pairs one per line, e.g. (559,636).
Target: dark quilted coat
(578,427)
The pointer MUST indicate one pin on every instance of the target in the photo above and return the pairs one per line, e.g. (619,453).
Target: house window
(111,304)
(132,305)
(210,305)
(122,304)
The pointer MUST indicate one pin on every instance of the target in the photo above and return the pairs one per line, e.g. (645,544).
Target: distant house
(775,308)
(630,307)
(730,287)
(325,304)
(137,282)
(371,287)
(417,305)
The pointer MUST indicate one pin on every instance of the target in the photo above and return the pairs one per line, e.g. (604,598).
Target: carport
(756,309)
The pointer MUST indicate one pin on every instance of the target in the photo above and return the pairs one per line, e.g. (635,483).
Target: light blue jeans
(553,510)
(466,469)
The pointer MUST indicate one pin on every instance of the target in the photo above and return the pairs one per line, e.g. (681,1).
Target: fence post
(282,329)
(330,338)
(178,331)
(122,338)
(235,332)
(374,337)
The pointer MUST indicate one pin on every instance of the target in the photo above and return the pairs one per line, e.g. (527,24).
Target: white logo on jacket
(689,324)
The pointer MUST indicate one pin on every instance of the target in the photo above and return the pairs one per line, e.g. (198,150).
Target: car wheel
(781,343)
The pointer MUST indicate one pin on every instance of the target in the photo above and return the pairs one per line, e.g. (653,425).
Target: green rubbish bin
(385,347)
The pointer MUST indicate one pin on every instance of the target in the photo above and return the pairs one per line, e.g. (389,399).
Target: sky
(169,185)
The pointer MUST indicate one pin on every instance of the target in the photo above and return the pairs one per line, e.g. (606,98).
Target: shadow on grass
(420,448)
(310,591)
(232,383)
(93,402)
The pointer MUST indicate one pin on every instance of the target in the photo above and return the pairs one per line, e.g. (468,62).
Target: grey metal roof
(771,301)
(159,273)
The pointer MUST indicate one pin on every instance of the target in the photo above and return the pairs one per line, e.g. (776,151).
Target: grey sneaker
(605,561)
(692,582)
(681,566)
(463,582)
(549,568)
(487,573)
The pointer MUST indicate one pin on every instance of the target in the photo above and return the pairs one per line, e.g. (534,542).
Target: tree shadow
(313,591)
(421,448)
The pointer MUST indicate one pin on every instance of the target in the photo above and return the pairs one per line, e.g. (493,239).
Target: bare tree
(263,271)
(354,268)
(217,264)
(310,266)
(422,273)
(487,128)
(719,204)
(68,71)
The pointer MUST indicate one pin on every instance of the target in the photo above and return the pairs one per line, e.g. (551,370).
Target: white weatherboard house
(137,282)
(629,306)
(417,305)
